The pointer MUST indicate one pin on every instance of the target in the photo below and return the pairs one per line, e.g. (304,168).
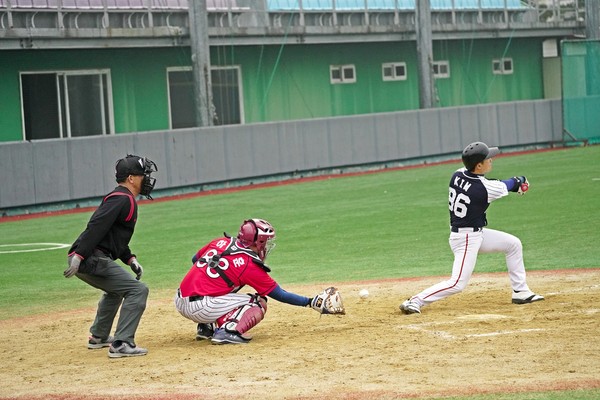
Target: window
(502,66)
(342,74)
(182,112)
(394,71)
(226,95)
(441,69)
(66,104)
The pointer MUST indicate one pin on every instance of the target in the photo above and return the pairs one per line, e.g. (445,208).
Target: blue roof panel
(272,5)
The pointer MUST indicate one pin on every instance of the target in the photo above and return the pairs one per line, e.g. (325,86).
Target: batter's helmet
(476,152)
(259,233)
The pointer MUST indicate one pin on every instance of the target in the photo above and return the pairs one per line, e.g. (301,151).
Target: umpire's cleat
(125,350)
(205,331)
(221,336)
(525,297)
(410,307)
(94,342)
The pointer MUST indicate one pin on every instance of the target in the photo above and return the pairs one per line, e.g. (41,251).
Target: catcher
(209,293)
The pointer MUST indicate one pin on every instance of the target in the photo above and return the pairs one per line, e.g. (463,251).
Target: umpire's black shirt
(110,228)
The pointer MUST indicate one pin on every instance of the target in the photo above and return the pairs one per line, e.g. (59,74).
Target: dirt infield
(474,342)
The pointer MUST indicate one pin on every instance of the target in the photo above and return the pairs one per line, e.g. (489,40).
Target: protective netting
(581,90)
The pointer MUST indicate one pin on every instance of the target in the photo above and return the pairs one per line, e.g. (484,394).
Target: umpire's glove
(136,267)
(73,262)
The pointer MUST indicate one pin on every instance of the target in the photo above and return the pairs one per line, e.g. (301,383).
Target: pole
(200,51)
(424,53)
(592,20)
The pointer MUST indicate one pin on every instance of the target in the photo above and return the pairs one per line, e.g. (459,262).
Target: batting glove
(136,267)
(523,186)
(73,262)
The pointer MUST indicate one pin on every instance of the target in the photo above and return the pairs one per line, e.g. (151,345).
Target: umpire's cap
(130,165)
(476,152)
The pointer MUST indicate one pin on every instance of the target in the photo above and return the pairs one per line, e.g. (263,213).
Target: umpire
(105,239)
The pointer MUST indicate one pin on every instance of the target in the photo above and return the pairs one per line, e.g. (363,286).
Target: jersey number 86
(458,203)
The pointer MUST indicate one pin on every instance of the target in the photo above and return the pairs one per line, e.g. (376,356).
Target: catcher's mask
(134,165)
(476,152)
(259,233)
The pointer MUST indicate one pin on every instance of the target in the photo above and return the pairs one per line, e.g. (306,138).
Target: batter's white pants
(466,245)
(209,309)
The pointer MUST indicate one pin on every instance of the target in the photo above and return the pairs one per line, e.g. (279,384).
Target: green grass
(385,225)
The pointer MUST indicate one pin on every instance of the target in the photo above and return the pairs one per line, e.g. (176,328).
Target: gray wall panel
(87,170)
(470,129)
(508,124)
(364,148)
(488,127)
(543,121)
(315,143)
(340,144)
(112,149)
(407,124)
(387,147)
(17,174)
(54,171)
(180,147)
(266,153)
(450,137)
(51,171)
(152,145)
(557,120)
(526,122)
(210,147)
(429,132)
(290,147)
(351,141)
(239,154)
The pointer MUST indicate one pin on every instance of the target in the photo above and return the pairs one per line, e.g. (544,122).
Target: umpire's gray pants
(120,287)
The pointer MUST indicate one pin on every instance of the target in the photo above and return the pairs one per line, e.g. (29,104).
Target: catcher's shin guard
(242,319)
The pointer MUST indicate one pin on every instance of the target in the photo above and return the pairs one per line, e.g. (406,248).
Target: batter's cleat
(204,331)
(525,297)
(125,349)
(94,342)
(410,307)
(221,336)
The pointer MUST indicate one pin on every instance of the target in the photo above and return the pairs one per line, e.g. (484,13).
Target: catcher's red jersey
(239,267)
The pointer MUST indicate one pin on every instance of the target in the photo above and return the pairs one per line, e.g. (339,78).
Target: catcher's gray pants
(121,289)
(208,309)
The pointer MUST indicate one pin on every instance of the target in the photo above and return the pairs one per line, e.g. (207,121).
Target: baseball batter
(209,293)
(470,194)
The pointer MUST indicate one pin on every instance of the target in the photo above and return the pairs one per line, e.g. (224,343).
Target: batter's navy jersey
(469,197)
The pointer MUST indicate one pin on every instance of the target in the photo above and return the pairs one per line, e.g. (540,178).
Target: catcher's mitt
(329,301)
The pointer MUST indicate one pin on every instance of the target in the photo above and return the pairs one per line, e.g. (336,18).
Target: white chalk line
(505,332)
(448,335)
(429,327)
(43,247)
(574,290)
